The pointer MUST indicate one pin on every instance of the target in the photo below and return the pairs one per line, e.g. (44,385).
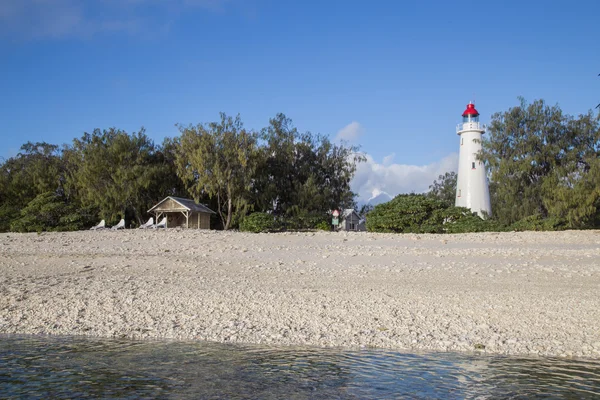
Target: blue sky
(391,76)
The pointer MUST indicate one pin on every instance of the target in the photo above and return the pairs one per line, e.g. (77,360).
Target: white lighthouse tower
(471,186)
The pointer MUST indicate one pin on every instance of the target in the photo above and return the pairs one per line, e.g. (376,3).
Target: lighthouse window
(469,118)
(462,141)
(458,192)
(473,165)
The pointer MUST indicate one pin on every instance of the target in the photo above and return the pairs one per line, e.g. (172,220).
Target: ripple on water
(69,367)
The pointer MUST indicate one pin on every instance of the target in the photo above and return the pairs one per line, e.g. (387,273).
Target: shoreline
(526,293)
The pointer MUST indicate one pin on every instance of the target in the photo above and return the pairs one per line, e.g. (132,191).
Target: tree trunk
(229,212)
(220,210)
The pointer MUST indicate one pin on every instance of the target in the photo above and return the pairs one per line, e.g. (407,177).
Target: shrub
(8,213)
(78,218)
(324,226)
(416,213)
(539,223)
(407,213)
(50,212)
(304,221)
(259,222)
(463,220)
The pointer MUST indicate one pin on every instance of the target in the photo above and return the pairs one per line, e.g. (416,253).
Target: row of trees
(298,176)
(111,174)
(543,166)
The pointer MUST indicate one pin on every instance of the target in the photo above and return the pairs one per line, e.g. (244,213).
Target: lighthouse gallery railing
(470,125)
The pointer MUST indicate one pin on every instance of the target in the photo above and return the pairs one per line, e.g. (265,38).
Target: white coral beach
(510,293)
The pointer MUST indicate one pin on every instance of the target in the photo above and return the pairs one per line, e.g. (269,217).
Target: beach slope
(508,293)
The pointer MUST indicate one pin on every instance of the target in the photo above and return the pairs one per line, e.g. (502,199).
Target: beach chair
(120,225)
(101,225)
(161,224)
(148,224)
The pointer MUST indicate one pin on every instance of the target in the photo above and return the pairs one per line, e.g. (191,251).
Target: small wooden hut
(184,213)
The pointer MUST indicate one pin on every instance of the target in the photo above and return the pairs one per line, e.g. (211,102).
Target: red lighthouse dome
(470,111)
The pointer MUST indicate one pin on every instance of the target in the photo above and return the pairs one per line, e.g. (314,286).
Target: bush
(50,212)
(304,220)
(539,223)
(8,213)
(407,213)
(78,218)
(463,220)
(324,226)
(259,222)
(416,213)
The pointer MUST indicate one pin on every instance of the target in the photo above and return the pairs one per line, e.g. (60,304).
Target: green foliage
(417,213)
(574,198)
(324,226)
(265,222)
(259,222)
(302,171)
(544,169)
(296,177)
(50,212)
(407,213)
(545,163)
(119,174)
(444,188)
(538,223)
(8,213)
(36,169)
(111,174)
(218,160)
(76,218)
(463,220)
(42,213)
(302,220)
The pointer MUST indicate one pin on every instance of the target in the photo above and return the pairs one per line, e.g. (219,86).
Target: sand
(504,293)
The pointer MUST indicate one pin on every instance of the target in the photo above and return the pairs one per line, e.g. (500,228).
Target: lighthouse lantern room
(471,186)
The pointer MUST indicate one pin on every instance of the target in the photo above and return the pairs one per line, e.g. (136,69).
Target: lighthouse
(471,186)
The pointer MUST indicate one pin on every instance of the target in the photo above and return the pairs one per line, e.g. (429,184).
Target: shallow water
(75,367)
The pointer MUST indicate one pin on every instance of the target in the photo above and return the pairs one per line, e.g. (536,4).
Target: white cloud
(387,160)
(51,19)
(350,132)
(372,178)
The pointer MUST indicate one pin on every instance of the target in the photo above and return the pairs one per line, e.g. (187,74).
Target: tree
(575,198)
(52,212)
(444,188)
(539,160)
(164,175)
(218,160)
(302,174)
(38,168)
(120,174)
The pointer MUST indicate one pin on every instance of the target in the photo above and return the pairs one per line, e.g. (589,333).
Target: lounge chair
(120,225)
(148,224)
(161,224)
(101,225)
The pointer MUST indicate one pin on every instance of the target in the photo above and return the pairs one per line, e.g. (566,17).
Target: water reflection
(68,367)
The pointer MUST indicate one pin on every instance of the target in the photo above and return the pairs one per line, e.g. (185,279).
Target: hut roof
(348,212)
(187,204)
